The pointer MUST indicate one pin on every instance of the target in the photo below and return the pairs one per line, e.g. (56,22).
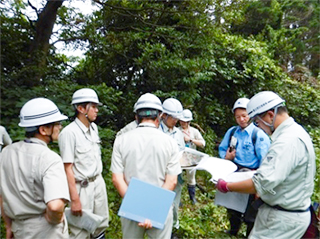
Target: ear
(81,109)
(270,113)
(43,130)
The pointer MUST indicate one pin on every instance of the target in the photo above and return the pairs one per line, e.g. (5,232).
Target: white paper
(218,168)
(232,200)
(87,221)
(191,157)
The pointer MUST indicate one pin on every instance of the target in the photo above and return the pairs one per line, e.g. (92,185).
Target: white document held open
(87,221)
(218,168)
(232,200)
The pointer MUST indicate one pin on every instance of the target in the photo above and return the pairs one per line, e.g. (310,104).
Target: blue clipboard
(146,201)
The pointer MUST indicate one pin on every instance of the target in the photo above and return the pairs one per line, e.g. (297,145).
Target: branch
(34,8)
(69,39)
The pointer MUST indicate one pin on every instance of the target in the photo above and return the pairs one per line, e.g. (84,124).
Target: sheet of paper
(232,200)
(218,168)
(87,221)
(191,157)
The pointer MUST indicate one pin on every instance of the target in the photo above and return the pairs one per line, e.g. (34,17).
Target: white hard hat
(39,111)
(172,107)
(85,95)
(262,102)
(240,103)
(186,116)
(148,101)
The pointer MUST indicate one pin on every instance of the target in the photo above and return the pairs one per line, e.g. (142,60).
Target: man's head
(172,111)
(40,116)
(185,118)
(85,102)
(240,112)
(263,109)
(148,106)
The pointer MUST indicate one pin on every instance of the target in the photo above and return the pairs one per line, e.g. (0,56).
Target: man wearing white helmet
(192,139)
(33,185)
(172,110)
(285,179)
(245,145)
(79,145)
(152,157)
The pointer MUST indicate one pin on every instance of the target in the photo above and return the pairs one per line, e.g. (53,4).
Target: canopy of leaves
(205,53)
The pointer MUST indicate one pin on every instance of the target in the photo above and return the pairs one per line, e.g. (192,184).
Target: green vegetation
(205,53)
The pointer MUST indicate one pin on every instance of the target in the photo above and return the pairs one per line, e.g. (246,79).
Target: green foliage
(204,53)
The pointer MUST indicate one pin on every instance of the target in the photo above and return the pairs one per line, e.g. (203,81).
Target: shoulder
(69,128)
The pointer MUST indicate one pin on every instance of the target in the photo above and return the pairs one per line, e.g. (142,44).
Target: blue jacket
(247,154)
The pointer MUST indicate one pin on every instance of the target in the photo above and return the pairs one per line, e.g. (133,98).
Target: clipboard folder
(146,201)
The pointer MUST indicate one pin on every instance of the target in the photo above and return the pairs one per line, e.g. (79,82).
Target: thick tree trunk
(39,49)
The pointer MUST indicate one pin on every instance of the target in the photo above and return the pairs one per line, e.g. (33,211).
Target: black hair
(30,134)
(147,113)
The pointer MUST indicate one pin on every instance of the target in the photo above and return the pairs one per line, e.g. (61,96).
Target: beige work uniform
(81,147)
(149,157)
(31,175)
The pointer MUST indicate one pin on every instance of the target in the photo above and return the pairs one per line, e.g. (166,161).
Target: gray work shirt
(147,154)
(175,133)
(31,175)
(81,146)
(286,175)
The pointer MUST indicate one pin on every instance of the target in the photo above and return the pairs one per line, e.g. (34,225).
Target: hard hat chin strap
(86,113)
(273,120)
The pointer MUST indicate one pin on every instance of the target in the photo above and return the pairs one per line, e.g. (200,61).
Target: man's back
(31,175)
(145,153)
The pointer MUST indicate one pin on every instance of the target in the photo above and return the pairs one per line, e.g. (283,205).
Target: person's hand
(76,208)
(230,155)
(187,138)
(222,186)
(146,224)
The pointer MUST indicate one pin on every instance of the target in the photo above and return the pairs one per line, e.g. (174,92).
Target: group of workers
(36,183)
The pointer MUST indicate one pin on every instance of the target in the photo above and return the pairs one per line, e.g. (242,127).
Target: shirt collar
(81,125)
(288,122)
(38,141)
(147,125)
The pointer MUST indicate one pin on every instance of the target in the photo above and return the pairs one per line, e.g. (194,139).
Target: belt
(257,203)
(85,182)
(287,210)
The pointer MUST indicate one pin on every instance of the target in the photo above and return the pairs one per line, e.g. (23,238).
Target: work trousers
(191,176)
(272,223)
(176,203)
(94,198)
(39,228)
(130,229)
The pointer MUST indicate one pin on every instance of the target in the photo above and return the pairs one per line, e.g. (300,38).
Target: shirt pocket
(85,154)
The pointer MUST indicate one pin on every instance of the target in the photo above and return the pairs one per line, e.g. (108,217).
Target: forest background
(205,53)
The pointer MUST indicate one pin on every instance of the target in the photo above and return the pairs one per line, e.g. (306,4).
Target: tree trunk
(39,49)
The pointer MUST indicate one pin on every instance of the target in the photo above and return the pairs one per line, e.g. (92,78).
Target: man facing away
(79,145)
(33,184)
(285,179)
(247,153)
(149,155)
